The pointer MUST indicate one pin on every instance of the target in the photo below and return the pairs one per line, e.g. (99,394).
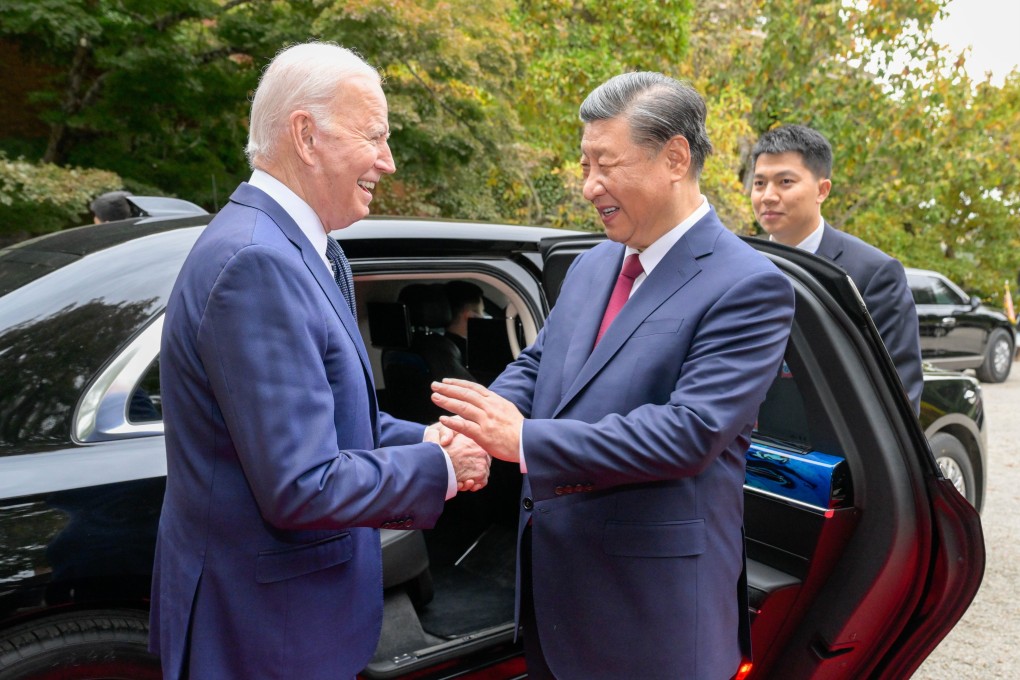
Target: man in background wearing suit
(631,413)
(792,171)
(280,467)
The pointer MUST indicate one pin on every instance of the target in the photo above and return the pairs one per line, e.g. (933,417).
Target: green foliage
(143,88)
(923,167)
(36,198)
(483,104)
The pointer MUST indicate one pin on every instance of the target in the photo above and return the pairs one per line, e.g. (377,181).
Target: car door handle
(948,321)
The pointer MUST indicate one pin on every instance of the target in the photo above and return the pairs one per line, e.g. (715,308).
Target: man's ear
(824,187)
(678,156)
(301,129)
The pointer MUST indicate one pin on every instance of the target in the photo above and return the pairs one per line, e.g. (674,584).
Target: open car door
(861,556)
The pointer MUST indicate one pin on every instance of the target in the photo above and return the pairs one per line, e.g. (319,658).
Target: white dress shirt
(813,240)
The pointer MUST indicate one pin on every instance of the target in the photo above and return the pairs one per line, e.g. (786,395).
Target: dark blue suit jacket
(266,562)
(883,285)
(635,456)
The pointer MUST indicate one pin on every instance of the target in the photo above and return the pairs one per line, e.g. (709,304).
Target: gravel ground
(982,645)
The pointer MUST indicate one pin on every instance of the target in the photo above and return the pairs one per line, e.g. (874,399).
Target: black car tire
(87,645)
(998,358)
(955,464)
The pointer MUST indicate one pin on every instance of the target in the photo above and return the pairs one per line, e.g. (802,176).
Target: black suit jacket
(883,284)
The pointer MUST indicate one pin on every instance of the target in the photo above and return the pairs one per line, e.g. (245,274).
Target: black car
(861,554)
(957,331)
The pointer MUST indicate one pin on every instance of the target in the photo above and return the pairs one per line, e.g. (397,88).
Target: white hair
(301,77)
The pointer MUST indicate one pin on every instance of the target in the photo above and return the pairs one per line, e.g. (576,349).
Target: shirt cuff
(451,476)
(520,450)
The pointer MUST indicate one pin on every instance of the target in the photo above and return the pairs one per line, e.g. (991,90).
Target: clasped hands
(484,424)
(481,415)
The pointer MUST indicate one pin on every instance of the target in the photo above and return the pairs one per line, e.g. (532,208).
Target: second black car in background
(957,331)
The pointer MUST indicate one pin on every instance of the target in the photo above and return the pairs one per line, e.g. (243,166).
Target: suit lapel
(606,265)
(675,271)
(255,198)
(831,246)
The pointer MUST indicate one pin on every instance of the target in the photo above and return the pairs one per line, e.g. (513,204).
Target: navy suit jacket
(267,564)
(883,285)
(635,456)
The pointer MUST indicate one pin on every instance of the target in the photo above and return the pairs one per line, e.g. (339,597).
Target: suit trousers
(538,668)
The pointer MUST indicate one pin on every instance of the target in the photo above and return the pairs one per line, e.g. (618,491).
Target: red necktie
(621,291)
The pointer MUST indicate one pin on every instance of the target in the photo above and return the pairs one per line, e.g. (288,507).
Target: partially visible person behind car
(280,467)
(466,302)
(110,207)
(792,178)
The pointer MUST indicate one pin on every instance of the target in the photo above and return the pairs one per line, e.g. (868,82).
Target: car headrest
(427,305)
(388,325)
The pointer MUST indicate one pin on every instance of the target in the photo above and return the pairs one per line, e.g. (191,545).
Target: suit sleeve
(892,308)
(397,432)
(264,338)
(732,359)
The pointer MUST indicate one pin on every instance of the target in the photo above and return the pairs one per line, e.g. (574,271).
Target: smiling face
(350,158)
(787,197)
(631,187)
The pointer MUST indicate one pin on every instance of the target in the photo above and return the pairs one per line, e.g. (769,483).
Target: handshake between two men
(484,424)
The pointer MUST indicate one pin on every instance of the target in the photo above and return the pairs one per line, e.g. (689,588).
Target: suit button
(528,503)
(559,491)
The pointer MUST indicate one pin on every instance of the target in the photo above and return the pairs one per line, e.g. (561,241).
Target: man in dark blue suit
(792,171)
(631,413)
(280,468)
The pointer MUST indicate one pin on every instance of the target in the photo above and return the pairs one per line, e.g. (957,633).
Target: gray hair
(306,76)
(657,108)
(111,206)
(813,147)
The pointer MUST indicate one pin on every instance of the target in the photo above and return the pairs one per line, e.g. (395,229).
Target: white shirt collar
(813,240)
(652,255)
(293,205)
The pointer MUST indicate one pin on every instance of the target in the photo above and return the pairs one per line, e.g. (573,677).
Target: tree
(139,87)
(892,101)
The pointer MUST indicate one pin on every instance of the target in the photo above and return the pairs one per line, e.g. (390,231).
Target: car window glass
(782,416)
(944,295)
(146,405)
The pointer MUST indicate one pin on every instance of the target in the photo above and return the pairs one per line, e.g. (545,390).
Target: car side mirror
(975,302)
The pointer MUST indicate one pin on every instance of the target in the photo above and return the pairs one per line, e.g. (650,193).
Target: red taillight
(743,671)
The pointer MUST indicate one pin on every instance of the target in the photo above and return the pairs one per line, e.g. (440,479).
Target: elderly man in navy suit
(280,467)
(632,411)
(792,178)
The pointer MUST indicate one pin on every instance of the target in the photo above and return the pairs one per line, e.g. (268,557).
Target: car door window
(944,295)
(782,417)
(146,405)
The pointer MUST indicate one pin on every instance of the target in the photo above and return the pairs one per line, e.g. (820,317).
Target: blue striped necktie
(341,272)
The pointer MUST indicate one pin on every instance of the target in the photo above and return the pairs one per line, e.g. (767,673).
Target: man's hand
(437,433)
(481,415)
(470,461)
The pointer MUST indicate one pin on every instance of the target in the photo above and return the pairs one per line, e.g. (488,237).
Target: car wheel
(955,464)
(91,645)
(998,358)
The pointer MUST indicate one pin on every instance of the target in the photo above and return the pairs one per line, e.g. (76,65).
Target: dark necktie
(341,272)
(621,291)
